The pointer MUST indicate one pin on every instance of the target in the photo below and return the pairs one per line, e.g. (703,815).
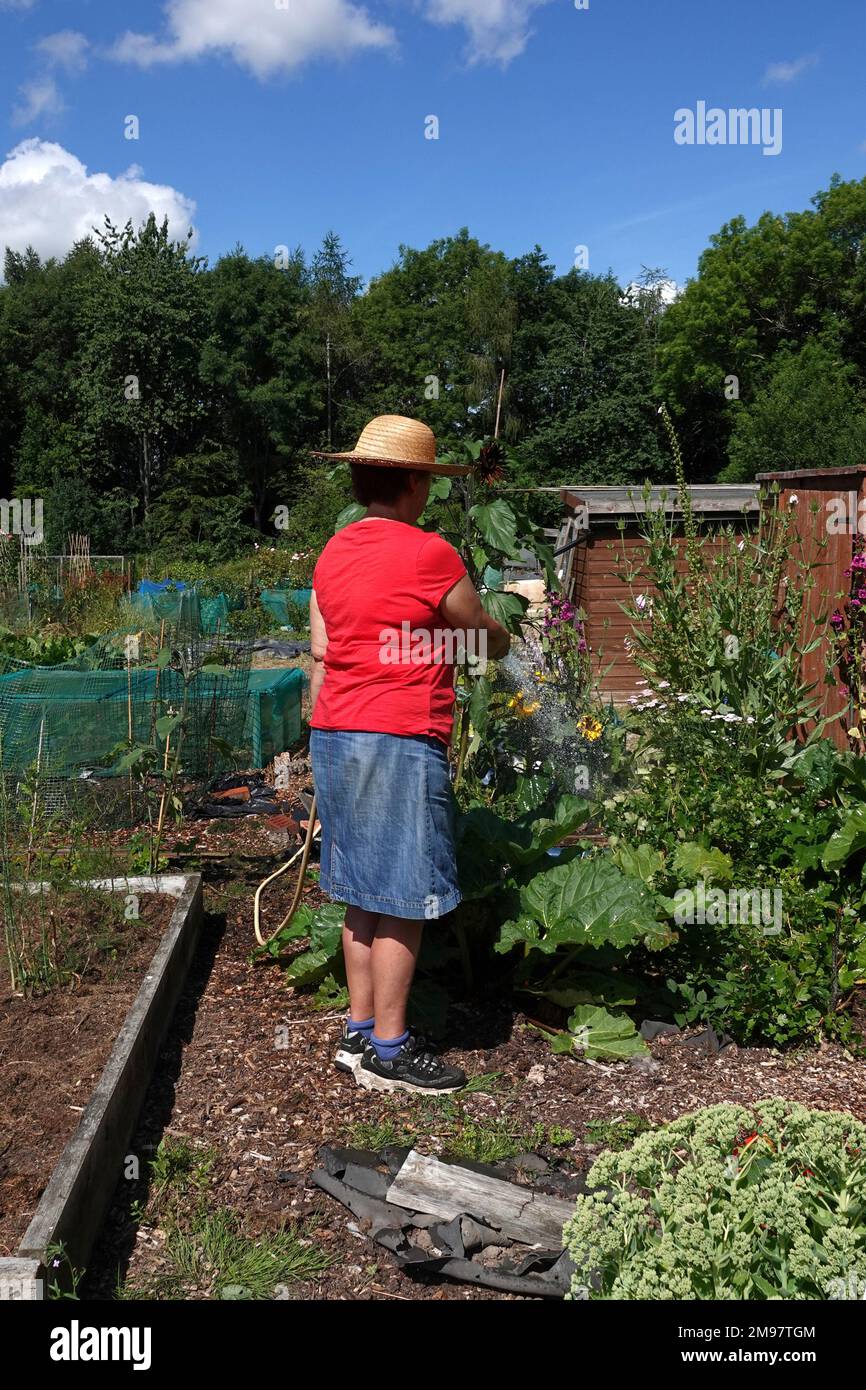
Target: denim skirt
(387,812)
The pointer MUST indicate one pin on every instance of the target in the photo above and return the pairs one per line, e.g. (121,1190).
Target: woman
(387,601)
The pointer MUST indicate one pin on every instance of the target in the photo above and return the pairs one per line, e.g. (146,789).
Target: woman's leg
(358,934)
(394,952)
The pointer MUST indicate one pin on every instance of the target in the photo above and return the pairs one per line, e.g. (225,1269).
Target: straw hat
(393,441)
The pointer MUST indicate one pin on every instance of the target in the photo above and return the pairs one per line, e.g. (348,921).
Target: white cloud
(257,34)
(789,72)
(48,199)
(17,4)
(65,49)
(41,97)
(498,30)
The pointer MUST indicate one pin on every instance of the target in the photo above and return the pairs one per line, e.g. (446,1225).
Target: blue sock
(387,1048)
(366,1028)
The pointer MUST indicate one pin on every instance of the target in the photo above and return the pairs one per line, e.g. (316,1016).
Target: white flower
(741,545)
(640,602)
(793,500)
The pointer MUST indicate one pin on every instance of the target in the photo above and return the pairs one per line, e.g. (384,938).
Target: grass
(460,1135)
(216,1253)
(208,1250)
(617,1134)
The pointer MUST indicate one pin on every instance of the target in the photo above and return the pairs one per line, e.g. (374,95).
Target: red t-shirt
(389,665)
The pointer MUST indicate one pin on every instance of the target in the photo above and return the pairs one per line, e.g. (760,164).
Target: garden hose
(304,851)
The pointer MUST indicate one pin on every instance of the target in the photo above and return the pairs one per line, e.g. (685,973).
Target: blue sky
(556,124)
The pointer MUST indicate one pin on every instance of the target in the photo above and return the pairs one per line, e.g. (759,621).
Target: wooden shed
(601,529)
(830,508)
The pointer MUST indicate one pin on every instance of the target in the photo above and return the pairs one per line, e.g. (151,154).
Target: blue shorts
(387,812)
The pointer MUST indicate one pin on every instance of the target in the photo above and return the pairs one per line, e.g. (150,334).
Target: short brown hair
(372,484)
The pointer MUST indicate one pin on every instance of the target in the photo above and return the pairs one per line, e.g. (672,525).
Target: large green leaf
(522,932)
(545,832)
(588,902)
(522,841)
(597,1033)
(479,703)
(641,861)
(507,609)
(693,861)
(498,525)
(849,839)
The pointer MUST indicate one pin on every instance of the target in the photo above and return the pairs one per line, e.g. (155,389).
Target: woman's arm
(318,647)
(462,610)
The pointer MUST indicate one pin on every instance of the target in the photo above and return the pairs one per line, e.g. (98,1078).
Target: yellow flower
(589,728)
(521,709)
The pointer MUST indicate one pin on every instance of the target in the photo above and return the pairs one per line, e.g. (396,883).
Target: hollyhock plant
(848,640)
(564,646)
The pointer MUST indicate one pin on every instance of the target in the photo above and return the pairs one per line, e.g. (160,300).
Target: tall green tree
(584,387)
(333,294)
(143,324)
(258,367)
(810,413)
(762,289)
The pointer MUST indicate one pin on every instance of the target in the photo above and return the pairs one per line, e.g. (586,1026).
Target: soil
(54,1045)
(246,1074)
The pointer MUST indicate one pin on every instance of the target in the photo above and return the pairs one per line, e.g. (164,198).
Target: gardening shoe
(415,1068)
(350,1050)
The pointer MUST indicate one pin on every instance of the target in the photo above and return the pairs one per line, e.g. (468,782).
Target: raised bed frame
(73,1206)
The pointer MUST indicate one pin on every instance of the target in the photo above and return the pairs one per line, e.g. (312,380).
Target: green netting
(284,603)
(66,721)
(177,608)
(184,608)
(273,721)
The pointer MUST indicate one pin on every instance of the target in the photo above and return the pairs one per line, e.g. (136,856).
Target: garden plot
(103,963)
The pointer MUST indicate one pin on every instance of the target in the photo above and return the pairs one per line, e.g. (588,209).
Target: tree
(334,292)
(436,329)
(143,323)
(762,290)
(809,414)
(584,387)
(258,366)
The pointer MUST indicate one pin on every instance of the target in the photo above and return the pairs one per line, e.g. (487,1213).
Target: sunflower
(490,464)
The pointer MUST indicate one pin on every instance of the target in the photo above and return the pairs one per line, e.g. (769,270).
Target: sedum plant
(727,1203)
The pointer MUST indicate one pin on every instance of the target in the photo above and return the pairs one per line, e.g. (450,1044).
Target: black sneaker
(350,1050)
(415,1068)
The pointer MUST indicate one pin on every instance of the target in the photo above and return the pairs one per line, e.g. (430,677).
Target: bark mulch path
(246,1074)
(53,1046)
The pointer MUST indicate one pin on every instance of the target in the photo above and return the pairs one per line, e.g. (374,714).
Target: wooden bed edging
(73,1206)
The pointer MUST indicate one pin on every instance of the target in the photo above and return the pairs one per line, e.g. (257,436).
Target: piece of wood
(446,1190)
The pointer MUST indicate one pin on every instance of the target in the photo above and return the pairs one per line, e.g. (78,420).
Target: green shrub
(726,1203)
(776,984)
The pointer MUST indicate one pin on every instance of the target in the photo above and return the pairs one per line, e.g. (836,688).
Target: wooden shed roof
(718,498)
